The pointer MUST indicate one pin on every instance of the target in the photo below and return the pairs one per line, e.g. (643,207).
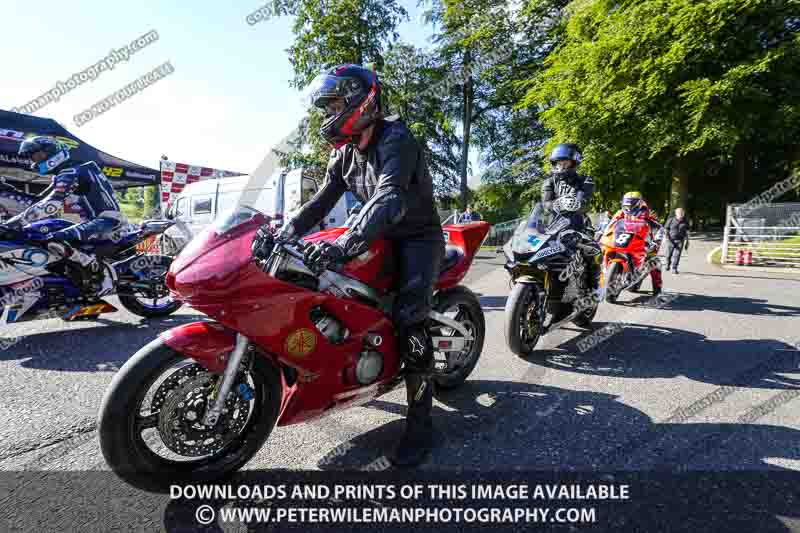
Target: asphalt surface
(707,382)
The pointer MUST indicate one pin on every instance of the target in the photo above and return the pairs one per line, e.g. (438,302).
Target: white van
(281,198)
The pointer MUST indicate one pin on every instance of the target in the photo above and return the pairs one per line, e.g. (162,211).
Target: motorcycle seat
(452,255)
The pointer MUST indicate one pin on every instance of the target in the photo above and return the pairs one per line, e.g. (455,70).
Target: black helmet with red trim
(350,95)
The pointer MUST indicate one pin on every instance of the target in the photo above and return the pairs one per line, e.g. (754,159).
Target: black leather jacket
(568,183)
(391,179)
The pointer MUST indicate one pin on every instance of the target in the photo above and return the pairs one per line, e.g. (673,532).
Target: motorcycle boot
(84,270)
(655,277)
(417,441)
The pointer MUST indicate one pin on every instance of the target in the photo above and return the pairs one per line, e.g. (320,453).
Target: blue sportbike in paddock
(37,282)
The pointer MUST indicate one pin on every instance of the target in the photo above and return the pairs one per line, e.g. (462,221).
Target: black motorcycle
(554,274)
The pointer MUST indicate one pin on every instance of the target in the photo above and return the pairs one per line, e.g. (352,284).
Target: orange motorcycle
(628,256)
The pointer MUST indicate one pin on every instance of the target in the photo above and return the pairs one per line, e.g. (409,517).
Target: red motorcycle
(287,345)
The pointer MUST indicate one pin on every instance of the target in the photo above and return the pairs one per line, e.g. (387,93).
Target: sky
(227,103)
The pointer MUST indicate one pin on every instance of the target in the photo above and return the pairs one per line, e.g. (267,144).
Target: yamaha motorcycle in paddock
(286,345)
(37,281)
(547,262)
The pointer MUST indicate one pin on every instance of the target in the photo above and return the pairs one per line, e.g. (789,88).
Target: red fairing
(467,238)
(210,344)
(206,342)
(375,267)
(217,276)
(633,232)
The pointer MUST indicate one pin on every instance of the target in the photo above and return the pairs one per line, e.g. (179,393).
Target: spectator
(677,229)
(469,216)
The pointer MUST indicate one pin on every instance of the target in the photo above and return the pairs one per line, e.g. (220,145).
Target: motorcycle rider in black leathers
(379,160)
(568,193)
(93,199)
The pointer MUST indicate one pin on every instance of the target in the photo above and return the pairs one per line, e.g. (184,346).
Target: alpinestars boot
(417,441)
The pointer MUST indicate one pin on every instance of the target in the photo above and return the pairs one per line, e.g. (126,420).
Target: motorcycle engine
(328,326)
(369,366)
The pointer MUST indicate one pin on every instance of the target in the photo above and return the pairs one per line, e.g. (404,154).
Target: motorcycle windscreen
(533,233)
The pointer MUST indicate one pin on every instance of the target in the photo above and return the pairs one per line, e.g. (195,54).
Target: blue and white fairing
(536,237)
(23,262)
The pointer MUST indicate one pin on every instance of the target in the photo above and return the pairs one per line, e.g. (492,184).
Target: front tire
(611,281)
(584,320)
(522,324)
(121,423)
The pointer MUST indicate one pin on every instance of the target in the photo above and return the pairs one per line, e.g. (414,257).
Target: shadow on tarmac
(90,349)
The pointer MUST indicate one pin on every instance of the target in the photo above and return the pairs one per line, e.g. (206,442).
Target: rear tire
(468,304)
(136,303)
(518,315)
(124,447)
(133,305)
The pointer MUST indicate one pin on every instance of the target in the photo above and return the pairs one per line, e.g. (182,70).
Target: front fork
(228,377)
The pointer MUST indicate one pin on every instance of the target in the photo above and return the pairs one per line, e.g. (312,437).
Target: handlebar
(295,248)
(286,246)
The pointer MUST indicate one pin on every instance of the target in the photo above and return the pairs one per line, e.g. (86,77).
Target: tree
(666,93)
(407,79)
(491,48)
(500,202)
(327,34)
(152,201)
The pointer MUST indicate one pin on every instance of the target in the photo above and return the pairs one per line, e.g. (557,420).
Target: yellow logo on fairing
(301,343)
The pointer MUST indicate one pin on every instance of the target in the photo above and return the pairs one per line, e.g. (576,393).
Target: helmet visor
(28,148)
(327,87)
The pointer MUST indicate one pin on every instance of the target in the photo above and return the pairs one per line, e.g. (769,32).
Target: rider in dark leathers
(565,183)
(94,200)
(379,160)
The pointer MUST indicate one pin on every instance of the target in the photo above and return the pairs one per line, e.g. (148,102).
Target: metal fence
(499,234)
(769,234)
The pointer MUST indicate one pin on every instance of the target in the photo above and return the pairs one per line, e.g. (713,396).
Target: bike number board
(623,239)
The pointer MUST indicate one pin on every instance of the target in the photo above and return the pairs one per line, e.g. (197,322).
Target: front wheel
(584,319)
(150,422)
(611,282)
(522,325)
(461,357)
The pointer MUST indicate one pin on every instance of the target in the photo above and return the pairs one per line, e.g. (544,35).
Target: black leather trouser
(417,267)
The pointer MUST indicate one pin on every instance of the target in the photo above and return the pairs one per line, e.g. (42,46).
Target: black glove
(687,245)
(320,255)
(262,243)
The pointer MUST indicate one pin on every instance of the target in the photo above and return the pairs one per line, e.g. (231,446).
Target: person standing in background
(677,229)
(469,216)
